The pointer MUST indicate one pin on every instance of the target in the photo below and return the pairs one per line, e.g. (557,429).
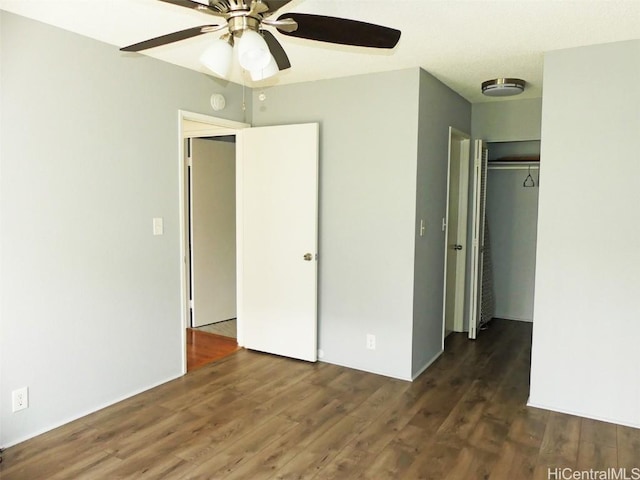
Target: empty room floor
(257,416)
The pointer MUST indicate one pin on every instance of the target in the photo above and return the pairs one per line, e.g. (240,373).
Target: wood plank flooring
(204,348)
(254,416)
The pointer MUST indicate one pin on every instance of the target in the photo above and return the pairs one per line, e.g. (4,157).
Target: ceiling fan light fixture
(263,73)
(503,87)
(218,57)
(253,52)
(257,49)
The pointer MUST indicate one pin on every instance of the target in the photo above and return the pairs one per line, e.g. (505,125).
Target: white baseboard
(375,372)
(582,414)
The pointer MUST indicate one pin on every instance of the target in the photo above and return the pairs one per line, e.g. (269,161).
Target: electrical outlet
(20,399)
(371,341)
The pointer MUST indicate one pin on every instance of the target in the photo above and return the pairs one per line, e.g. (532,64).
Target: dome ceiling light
(503,87)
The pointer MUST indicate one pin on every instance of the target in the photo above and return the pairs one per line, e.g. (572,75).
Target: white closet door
(481,156)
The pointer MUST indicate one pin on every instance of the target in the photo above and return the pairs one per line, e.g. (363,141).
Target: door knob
(457,247)
(308,257)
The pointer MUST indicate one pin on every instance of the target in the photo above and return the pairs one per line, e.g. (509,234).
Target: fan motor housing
(240,21)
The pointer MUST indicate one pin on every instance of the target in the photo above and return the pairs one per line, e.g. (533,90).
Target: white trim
(446,239)
(239,238)
(214,121)
(427,365)
(221,127)
(361,369)
(582,414)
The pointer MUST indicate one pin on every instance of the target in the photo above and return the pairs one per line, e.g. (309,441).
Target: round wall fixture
(503,87)
(217,101)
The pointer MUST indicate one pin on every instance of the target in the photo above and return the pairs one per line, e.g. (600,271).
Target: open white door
(277,239)
(481,156)
(456,232)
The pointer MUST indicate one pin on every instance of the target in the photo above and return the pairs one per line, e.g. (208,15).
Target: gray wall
(368,151)
(507,120)
(440,108)
(90,308)
(585,358)
(512,213)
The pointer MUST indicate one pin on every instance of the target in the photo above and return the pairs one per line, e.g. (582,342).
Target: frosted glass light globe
(269,71)
(218,57)
(253,52)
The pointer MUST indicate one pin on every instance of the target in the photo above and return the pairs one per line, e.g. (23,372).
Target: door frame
(186,129)
(463,199)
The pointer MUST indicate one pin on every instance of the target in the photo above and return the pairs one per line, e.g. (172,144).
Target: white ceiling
(462,43)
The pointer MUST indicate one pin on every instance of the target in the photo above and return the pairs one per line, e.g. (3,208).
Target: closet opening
(512,186)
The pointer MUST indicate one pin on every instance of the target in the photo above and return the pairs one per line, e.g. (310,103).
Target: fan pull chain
(244,102)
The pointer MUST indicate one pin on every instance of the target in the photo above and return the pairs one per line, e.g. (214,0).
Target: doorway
(211,190)
(456,232)
(512,216)
(276,237)
(504,232)
(214,269)
(212,230)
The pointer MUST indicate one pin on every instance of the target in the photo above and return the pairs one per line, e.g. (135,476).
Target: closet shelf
(517,158)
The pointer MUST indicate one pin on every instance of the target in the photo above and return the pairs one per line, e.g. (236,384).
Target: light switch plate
(158,227)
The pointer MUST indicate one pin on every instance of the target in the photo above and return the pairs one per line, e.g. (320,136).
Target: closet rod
(521,166)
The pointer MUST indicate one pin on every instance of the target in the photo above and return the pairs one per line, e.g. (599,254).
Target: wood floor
(253,416)
(204,348)
(226,328)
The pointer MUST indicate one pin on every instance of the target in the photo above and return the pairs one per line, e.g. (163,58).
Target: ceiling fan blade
(194,5)
(170,38)
(276,50)
(342,31)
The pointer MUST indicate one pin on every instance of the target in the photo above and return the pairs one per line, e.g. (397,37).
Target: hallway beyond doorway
(204,348)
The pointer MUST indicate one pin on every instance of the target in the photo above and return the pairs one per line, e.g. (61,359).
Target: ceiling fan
(243,25)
